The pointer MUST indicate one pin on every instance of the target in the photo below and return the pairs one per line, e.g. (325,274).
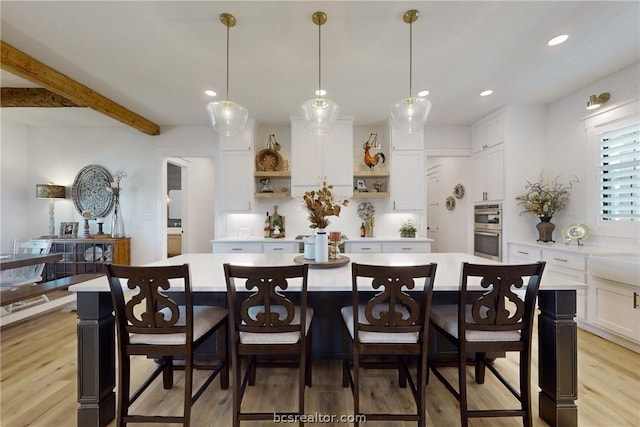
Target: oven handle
(486,212)
(484,233)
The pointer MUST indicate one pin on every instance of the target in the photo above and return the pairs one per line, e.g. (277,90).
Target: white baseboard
(21,314)
(624,342)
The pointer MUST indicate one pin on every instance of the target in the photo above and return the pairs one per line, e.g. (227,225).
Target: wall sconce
(50,191)
(597,101)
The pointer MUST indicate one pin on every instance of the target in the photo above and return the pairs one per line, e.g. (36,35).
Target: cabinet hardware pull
(236,249)
(366,249)
(406,249)
(560,259)
(635,300)
(277,249)
(523,252)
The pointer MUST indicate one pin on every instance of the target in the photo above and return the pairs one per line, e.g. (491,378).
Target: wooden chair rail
(30,291)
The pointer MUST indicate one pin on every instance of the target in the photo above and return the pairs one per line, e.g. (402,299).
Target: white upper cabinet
(318,158)
(487,133)
(407,177)
(235,171)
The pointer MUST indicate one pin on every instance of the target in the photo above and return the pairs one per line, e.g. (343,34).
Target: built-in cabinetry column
(487,159)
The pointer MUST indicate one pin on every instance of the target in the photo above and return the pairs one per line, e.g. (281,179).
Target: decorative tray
(576,232)
(332,263)
(268,160)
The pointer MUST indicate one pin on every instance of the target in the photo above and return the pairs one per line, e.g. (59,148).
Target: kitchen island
(328,290)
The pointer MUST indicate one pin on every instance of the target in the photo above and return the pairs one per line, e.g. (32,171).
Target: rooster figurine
(371,159)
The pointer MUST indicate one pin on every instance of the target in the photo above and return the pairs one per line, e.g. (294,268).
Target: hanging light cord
(227,25)
(319,61)
(410,56)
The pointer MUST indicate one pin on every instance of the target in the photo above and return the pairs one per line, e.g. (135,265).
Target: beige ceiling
(157,58)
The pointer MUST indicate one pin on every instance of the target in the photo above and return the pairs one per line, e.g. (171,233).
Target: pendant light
(410,114)
(227,117)
(319,114)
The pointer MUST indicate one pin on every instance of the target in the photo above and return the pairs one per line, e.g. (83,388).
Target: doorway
(175,217)
(433,211)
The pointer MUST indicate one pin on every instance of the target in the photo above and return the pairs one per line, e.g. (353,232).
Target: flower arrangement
(545,197)
(320,205)
(366,211)
(408,229)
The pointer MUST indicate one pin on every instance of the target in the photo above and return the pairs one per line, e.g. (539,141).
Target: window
(619,178)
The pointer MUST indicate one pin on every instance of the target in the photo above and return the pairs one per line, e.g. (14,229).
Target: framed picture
(360,185)
(69,230)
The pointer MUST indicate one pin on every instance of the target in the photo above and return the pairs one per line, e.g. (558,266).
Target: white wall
(58,153)
(566,146)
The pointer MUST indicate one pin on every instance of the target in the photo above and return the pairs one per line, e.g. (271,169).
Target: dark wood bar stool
(389,328)
(499,320)
(267,324)
(153,325)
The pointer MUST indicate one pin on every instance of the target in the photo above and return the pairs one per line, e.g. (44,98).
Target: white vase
(322,245)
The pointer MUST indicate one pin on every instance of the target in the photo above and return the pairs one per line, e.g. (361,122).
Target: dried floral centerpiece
(543,199)
(117,224)
(366,212)
(320,205)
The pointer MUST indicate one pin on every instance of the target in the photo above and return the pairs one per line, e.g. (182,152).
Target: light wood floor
(38,385)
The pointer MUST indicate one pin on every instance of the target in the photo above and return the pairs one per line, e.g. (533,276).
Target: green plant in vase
(408,229)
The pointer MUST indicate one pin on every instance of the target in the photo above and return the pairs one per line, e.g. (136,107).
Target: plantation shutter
(620,174)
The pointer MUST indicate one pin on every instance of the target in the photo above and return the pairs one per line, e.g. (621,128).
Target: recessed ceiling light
(423,93)
(558,40)
(321,92)
(486,92)
(210,92)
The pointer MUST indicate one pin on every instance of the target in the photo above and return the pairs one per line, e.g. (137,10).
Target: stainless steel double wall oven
(487,231)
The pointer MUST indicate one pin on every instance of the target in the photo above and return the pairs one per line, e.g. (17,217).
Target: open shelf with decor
(272,184)
(376,184)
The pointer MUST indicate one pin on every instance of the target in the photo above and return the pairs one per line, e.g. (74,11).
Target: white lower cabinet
(560,263)
(362,247)
(422,247)
(255,247)
(614,297)
(387,247)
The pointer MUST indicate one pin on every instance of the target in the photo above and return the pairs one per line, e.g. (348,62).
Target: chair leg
(224,354)
(302,376)
(462,384)
(480,365)
(525,387)
(237,388)
(402,375)
(421,403)
(188,386)
(345,355)
(167,372)
(124,389)
(252,372)
(307,351)
(356,383)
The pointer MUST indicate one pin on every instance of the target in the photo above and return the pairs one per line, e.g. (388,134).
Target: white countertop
(207,274)
(382,239)
(573,247)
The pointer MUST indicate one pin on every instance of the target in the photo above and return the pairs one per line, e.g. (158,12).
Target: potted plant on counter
(543,199)
(408,229)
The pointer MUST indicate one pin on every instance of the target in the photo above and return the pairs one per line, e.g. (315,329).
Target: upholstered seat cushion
(377,337)
(277,338)
(204,318)
(446,316)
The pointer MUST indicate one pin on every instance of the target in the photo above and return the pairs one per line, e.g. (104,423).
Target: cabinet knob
(635,300)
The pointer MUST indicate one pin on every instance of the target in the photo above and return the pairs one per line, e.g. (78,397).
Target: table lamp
(52,192)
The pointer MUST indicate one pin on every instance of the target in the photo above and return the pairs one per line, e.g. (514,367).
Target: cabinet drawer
(363,247)
(286,248)
(232,247)
(570,273)
(523,254)
(565,259)
(406,247)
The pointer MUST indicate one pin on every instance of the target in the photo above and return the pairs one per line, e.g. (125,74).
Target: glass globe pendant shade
(227,117)
(319,114)
(410,114)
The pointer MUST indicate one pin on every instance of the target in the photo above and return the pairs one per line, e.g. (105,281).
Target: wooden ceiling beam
(22,65)
(33,97)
